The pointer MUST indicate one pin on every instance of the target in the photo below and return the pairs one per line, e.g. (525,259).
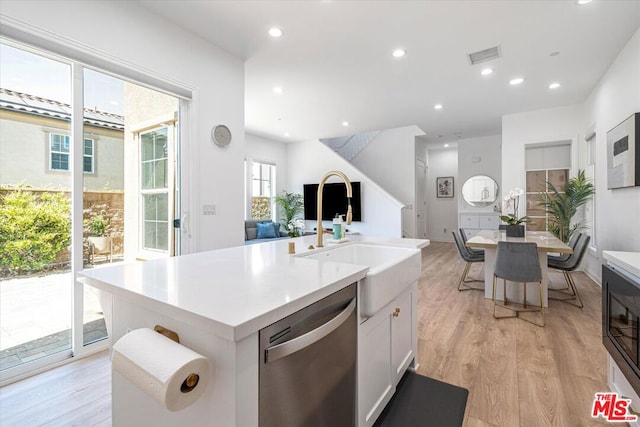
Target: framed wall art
(444,186)
(623,154)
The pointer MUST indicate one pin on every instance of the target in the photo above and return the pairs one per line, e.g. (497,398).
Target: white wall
(479,156)
(389,160)
(615,98)
(442,213)
(129,34)
(307,162)
(261,149)
(548,125)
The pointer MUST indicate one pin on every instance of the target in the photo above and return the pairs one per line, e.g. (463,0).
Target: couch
(251,231)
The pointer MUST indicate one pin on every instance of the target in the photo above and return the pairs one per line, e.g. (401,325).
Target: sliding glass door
(35,208)
(88,178)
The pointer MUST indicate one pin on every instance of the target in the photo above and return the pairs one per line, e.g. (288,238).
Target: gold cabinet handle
(396,313)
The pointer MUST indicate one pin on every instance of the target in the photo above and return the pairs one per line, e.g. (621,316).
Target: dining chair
(517,262)
(474,251)
(572,244)
(567,266)
(469,259)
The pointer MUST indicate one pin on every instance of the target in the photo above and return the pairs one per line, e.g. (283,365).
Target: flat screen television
(334,201)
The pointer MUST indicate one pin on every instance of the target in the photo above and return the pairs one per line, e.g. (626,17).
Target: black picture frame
(623,154)
(444,187)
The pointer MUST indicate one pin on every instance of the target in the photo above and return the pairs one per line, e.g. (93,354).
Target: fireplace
(620,323)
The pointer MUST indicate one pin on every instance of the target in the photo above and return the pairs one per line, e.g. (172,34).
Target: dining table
(488,241)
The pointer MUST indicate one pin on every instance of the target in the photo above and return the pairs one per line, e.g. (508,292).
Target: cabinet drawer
(489,222)
(469,221)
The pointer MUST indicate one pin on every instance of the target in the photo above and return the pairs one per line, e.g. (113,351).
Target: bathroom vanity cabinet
(387,347)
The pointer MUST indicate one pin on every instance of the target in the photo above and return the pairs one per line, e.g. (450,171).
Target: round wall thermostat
(221,135)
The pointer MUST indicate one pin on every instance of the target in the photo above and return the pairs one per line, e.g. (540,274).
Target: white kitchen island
(217,302)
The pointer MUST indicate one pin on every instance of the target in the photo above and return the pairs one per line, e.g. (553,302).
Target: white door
(421,199)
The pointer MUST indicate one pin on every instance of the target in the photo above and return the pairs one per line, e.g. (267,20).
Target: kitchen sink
(391,270)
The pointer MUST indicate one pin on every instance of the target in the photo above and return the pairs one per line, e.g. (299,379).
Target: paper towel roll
(160,366)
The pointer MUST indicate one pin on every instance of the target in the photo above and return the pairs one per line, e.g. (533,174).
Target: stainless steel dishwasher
(308,365)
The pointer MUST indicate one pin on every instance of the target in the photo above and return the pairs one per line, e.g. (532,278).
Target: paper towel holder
(190,383)
(167,333)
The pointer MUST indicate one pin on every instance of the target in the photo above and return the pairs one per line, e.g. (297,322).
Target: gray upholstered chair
(474,251)
(567,266)
(572,243)
(517,262)
(469,258)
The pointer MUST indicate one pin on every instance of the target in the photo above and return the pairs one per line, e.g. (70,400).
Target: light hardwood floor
(517,374)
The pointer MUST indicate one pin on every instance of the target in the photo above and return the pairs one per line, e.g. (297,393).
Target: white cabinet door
(387,346)
(375,384)
(402,319)
(489,222)
(469,221)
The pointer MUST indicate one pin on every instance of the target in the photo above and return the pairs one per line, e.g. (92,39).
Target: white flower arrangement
(295,227)
(512,201)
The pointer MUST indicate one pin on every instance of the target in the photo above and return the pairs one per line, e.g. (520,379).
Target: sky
(37,75)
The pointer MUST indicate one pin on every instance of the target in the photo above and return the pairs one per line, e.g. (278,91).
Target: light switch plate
(208,209)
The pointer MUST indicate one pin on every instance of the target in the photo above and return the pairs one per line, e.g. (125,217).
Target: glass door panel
(103,190)
(35,209)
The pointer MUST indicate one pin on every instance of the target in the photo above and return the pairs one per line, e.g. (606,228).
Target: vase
(515,230)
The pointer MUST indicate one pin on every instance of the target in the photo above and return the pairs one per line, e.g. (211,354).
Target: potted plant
(99,243)
(515,225)
(563,206)
(292,205)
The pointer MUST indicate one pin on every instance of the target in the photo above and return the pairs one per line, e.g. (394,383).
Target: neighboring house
(35,149)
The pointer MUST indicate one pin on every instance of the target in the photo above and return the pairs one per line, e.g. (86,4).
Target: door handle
(279,351)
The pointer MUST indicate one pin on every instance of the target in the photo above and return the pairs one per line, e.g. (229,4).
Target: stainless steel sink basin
(391,270)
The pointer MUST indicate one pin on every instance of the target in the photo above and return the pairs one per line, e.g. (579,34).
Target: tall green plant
(292,204)
(33,230)
(562,207)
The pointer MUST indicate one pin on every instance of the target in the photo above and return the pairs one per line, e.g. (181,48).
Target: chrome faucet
(347,183)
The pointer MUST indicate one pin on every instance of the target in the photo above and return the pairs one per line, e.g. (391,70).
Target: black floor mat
(421,401)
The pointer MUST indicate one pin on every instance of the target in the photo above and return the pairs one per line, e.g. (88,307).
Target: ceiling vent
(485,55)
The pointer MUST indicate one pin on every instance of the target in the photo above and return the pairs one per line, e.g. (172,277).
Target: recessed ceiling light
(516,81)
(399,53)
(278,90)
(345,123)
(581,2)
(275,32)
(438,106)
(486,71)
(554,85)
(286,134)
(446,145)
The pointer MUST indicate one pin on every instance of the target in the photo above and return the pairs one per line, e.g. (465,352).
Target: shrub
(33,229)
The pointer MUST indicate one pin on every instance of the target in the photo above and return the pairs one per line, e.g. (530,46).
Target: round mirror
(480,190)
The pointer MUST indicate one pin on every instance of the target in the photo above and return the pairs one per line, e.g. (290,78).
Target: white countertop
(628,261)
(236,291)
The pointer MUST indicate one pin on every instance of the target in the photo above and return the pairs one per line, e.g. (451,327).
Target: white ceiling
(334,61)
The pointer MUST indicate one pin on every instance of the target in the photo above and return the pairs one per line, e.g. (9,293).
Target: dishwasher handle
(289,347)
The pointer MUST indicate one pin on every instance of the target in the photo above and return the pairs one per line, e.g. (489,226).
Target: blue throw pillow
(276,228)
(266,230)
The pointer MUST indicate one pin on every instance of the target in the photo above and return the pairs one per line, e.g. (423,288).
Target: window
(263,187)
(536,184)
(59,149)
(154,189)
(590,172)
(545,162)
